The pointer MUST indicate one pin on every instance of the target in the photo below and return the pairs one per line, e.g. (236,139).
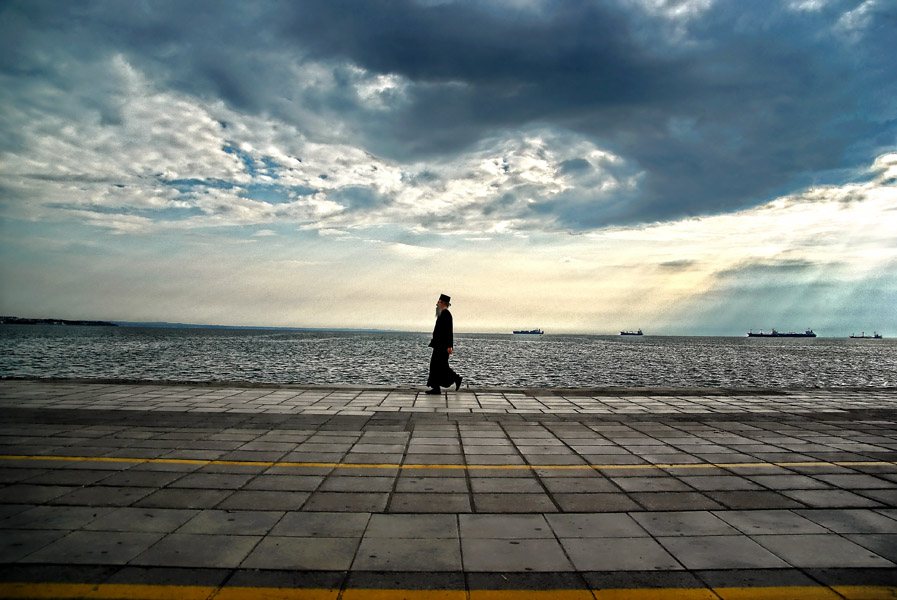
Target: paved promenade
(140,490)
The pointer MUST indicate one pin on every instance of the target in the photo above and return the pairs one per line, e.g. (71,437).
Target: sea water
(401,359)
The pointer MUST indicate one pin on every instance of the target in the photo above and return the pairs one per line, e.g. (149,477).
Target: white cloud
(170,161)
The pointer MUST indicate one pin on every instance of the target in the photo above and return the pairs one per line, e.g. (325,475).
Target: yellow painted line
(332,465)
(864,592)
(778,593)
(72,591)
(660,594)
(363,594)
(533,595)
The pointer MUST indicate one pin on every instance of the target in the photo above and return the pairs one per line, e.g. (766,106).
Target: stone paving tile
(347,502)
(595,502)
(884,544)
(513,503)
(720,552)
(830,498)
(618,554)
(697,523)
(595,526)
(183,498)
(294,553)
(429,526)
(16,545)
(201,551)
(430,503)
(232,522)
(143,520)
(820,551)
(499,526)
(291,483)
(104,496)
(54,517)
(404,554)
(322,524)
(264,500)
(852,520)
(756,522)
(503,555)
(408,484)
(95,547)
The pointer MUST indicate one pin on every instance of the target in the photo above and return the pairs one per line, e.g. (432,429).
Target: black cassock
(441,374)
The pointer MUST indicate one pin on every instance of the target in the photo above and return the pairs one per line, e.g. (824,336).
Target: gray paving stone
(851,520)
(32,494)
(697,523)
(322,524)
(830,498)
(404,554)
(720,483)
(819,551)
(720,552)
(650,484)
(16,545)
(341,483)
(94,547)
(500,526)
(672,501)
(595,502)
(144,520)
(506,485)
(513,503)
(483,554)
(264,500)
(313,553)
(618,554)
(581,485)
(202,551)
(290,483)
(429,526)
(211,481)
(883,544)
(753,499)
(346,502)
(54,517)
(429,503)
(63,477)
(232,522)
(756,522)
(104,496)
(183,498)
(431,485)
(595,526)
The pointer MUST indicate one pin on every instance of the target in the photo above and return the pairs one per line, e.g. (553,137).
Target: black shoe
(458,383)
(432,392)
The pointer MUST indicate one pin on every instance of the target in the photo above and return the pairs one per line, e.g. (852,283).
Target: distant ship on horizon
(791,334)
(639,332)
(529,332)
(875,336)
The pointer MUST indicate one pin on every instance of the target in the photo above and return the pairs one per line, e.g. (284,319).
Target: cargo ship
(639,332)
(529,332)
(791,334)
(875,336)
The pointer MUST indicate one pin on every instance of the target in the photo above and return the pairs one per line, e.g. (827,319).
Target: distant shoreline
(63,322)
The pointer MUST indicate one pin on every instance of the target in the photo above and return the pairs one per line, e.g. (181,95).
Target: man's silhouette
(441,374)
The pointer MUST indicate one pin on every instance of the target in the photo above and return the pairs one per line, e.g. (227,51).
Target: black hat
(446,299)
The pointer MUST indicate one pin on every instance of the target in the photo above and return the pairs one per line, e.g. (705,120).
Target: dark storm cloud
(719,111)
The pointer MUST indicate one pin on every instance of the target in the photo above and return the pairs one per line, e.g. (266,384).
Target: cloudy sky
(584,166)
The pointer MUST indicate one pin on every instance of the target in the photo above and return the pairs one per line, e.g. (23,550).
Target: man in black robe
(441,374)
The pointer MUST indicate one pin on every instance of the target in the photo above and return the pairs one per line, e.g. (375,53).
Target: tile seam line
(526,467)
